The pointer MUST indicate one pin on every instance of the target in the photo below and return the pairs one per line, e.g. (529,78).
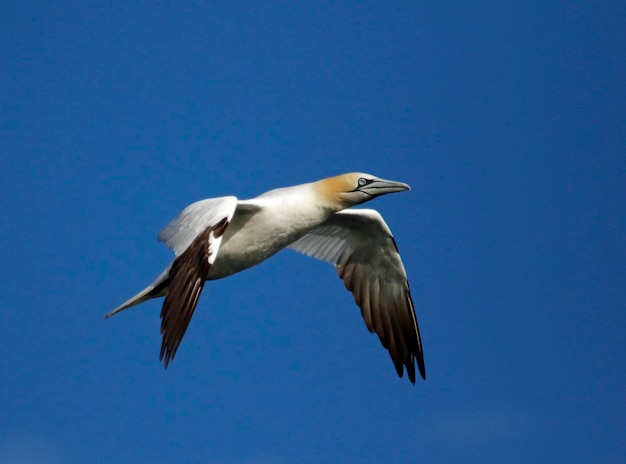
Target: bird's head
(355,188)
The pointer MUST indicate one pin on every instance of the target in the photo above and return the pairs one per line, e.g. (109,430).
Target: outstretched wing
(359,243)
(195,237)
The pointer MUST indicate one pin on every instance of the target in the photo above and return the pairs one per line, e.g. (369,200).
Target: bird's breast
(254,236)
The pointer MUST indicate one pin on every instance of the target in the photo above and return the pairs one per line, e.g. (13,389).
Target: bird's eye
(362,182)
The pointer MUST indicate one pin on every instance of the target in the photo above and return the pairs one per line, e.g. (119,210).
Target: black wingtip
(166,355)
(410,368)
(421,367)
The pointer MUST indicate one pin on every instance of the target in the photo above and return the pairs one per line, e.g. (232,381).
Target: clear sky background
(508,119)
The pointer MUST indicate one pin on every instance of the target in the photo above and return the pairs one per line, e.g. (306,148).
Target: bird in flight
(217,237)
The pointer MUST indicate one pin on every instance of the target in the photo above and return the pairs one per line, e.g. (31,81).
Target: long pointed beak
(382,186)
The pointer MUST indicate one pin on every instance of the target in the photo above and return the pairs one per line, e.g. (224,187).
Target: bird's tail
(154,290)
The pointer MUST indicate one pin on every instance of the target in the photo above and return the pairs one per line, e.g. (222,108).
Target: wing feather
(194,220)
(359,243)
(195,236)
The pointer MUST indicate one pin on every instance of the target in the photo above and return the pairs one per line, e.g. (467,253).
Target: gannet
(217,237)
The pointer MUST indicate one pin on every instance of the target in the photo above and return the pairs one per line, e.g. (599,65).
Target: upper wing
(195,237)
(359,243)
(194,220)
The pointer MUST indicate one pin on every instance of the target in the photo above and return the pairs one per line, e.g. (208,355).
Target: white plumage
(218,237)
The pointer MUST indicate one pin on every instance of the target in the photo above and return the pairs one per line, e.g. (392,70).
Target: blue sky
(509,122)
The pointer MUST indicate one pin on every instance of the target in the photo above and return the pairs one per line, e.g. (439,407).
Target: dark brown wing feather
(186,280)
(387,309)
(360,244)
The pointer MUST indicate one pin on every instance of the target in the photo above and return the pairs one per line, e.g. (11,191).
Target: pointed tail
(154,290)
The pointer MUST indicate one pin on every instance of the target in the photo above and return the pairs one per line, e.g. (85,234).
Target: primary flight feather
(218,237)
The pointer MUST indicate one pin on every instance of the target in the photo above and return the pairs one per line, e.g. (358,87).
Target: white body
(263,226)
(218,237)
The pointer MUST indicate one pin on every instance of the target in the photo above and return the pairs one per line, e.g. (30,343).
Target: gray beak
(382,186)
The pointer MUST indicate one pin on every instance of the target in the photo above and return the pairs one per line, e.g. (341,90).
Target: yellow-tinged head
(351,189)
